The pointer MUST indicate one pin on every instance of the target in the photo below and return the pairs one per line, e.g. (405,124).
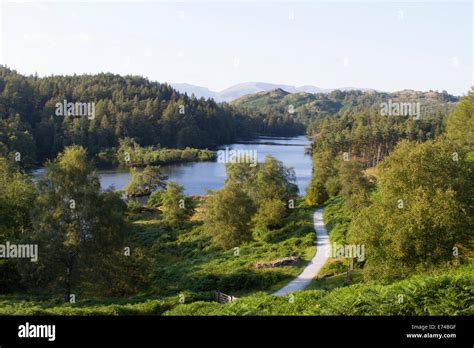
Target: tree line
(124,107)
(414,209)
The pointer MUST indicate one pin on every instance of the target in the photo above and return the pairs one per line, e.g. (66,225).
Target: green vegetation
(144,181)
(360,130)
(443,293)
(228,213)
(164,250)
(131,154)
(143,305)
(460,125)
(337,219)
(16,194)
(271,189)
(400,186)
(337,175)
(351,121)
(416,214)
(419,217)
(124,107)
(324,170)
(77,228)
(328,282)
(277,120)
(259,196)
(186,258)
(174,207)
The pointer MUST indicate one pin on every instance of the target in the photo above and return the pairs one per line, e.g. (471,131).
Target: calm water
(198,177)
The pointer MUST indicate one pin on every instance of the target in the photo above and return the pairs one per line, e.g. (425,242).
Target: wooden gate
(224,298)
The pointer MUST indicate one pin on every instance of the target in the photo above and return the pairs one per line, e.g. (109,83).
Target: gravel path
(322,253)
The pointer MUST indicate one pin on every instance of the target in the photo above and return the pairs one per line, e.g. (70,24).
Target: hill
(236,91)
(305,107)
(198,91)
(120,107)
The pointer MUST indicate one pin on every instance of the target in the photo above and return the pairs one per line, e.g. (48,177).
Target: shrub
(444,293)
(316,193)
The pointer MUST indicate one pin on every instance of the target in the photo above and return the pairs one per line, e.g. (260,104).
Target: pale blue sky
(386,46)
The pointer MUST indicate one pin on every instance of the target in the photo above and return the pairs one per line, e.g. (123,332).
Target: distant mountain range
(241,89)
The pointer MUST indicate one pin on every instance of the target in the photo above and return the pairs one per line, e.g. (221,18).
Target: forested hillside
(351,120)
(125,106)
(308,105)
(411,204)
(155,114)
(399,185)
(413,214)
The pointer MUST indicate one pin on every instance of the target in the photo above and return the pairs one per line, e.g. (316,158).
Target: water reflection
(198,177)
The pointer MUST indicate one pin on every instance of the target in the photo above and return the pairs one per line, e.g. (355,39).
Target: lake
(198,177)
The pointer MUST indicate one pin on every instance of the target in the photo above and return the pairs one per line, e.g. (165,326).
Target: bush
(139,306)
(337,219)
(333,186)
(227,216)
(155,199)
(316,193)
(133,205)
(269,215)
(445,293)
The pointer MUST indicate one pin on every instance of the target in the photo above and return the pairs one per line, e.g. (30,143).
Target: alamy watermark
(391,108)
(37,331)
(75,109)
(348,251)
(237,156)
(19,251)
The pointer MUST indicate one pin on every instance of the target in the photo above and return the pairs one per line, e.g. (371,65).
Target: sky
(216,44)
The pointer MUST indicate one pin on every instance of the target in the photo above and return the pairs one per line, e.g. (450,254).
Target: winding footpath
(322,253)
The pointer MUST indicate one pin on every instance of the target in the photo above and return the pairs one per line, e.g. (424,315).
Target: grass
(186,259)
(335,281)
(337,219)
(448,292)
(185,262)
(14,305)
(443,293)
